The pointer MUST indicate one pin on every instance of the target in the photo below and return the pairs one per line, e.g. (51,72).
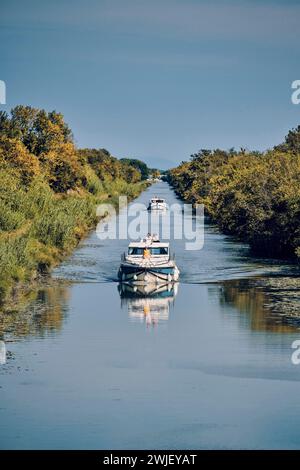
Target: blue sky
(156,79)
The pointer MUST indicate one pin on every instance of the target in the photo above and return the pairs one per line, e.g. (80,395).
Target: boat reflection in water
(2,353)
(148,303)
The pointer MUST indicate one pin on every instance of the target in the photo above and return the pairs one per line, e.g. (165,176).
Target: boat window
(159,251)
(153,251)
(135,251)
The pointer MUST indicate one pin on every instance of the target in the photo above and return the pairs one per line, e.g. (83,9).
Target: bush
(252,195)
(49,191)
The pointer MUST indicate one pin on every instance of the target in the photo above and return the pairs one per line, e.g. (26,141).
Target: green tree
(139,165)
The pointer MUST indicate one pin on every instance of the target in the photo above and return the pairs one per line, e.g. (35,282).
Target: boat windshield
(160,201)
(134,250)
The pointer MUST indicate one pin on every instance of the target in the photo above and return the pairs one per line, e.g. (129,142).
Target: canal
(205,365)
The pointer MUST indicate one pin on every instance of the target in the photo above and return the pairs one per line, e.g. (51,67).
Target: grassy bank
(252,195)
(49,191)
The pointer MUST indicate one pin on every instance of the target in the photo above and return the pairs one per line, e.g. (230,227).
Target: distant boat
(148,261)
(157,203)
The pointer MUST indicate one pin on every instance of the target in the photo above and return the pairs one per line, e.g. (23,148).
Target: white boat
(148,261)
(157,203)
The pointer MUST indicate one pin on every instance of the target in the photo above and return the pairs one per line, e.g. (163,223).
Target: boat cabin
(157,200)
(154,248)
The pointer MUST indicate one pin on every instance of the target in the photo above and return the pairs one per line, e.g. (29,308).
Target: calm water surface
(85,364)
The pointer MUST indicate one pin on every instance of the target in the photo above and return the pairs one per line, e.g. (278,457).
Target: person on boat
(146,253)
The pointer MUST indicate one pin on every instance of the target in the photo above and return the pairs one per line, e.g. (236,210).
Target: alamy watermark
(134,222)
(295,357)
(2,92)
(295,97)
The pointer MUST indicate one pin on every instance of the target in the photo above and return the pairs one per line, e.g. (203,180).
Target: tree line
(252,195)
(49,190)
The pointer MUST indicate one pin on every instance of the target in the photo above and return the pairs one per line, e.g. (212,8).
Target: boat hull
(143,275)
(146,291)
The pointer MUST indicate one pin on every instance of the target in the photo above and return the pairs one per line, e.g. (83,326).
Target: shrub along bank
(253,195)
(49,190)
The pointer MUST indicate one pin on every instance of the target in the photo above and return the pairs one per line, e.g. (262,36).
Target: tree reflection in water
(40,313)
(148,303)
(271,303)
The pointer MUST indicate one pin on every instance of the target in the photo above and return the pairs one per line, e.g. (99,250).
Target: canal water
(85,364)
